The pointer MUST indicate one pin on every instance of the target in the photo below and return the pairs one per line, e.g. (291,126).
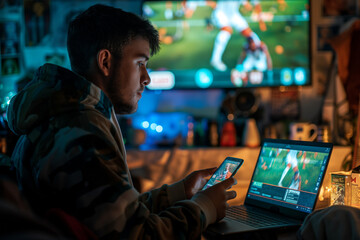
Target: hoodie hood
(54,90)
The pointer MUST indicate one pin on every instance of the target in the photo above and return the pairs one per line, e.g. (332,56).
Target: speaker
(246,103)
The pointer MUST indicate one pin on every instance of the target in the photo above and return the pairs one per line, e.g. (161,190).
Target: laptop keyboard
(252,218)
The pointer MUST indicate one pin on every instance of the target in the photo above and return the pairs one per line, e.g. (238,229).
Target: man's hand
(195,181)
(219,196)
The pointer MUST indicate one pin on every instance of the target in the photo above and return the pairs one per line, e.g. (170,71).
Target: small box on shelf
(345,188)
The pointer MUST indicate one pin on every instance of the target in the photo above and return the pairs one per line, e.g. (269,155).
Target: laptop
(283,189)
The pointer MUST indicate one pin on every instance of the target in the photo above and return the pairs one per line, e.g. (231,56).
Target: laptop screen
(289,173)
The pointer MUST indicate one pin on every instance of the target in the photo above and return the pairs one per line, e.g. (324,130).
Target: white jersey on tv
(227,13)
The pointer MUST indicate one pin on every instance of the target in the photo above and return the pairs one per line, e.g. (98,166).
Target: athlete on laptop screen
(289,177)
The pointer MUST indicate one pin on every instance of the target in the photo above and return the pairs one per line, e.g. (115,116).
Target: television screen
(230,44)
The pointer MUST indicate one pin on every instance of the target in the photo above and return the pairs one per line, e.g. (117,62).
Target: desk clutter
(345,188)
(155,167)
(178,129)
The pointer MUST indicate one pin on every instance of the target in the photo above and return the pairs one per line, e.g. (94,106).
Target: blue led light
(153,126)
(159,128)
(145,124)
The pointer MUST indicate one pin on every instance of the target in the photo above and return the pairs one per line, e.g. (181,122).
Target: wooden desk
(157,167)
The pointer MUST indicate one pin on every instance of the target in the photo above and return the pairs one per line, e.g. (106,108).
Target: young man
(71,154)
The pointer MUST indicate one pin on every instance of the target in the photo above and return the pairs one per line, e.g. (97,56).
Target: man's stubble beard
(124,108)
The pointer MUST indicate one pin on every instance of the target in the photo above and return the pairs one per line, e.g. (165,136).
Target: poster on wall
(11,62)
(37,22)
(324,34)
(8,4)
(10,48)
(334,8)
(10,66)
(63,11)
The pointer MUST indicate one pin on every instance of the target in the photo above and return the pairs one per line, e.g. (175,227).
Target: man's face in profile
(129,76)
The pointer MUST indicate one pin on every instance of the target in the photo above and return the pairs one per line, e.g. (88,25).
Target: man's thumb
(228,182)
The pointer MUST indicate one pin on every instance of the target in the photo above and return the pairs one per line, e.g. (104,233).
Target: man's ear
(104,61)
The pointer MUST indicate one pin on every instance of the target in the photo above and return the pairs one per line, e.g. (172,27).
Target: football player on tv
(226,17)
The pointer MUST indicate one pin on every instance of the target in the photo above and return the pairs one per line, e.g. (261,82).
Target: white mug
(303,131)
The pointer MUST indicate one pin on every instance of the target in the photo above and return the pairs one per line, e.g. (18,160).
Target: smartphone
(227,169)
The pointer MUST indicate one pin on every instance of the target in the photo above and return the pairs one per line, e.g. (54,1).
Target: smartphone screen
(227,169)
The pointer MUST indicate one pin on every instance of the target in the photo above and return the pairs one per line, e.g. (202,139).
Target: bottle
(251,135)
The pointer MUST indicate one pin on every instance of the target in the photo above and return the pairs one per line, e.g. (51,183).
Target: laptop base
(215,231)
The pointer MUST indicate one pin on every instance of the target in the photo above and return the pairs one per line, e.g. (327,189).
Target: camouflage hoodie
(71,156)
